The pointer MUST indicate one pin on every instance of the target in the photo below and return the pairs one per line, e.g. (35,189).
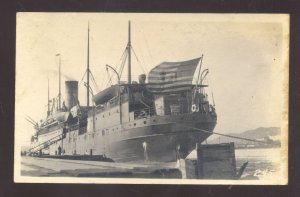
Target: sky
(247,58)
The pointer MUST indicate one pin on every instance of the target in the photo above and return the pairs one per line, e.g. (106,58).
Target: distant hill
(269,134)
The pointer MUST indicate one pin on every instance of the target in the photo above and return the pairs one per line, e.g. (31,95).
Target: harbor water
(263,163)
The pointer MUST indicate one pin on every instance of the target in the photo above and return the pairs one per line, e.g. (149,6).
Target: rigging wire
(124,53)
(201,59)
(203,78)
(122,59)
(138,60)
(123,64)
(225,135)
(94,82)
(211,89)
(147,46)
(142,58)
(82,78)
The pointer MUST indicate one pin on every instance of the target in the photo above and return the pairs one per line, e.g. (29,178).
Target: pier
(213,161)
(35,166)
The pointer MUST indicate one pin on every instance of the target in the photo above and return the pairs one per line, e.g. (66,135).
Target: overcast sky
(246,56)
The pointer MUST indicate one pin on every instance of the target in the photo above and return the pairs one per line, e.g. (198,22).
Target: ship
(158,119)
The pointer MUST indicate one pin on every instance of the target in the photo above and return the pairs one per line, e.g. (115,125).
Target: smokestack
(71,93)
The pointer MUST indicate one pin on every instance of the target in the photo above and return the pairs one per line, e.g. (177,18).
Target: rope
(123,64)
(201,59)
(82,78)
(124,53)
(211,89)
(138,60)
(147,47)
(230,136)
(123,59)
(94,81)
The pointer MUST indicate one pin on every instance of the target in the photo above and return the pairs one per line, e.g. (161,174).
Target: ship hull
(164,147)
(156,138)
(166,138)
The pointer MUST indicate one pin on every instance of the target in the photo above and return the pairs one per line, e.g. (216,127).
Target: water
(263,164)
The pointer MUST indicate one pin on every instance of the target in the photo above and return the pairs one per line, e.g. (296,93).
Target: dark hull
(162,134)
(159,148)
(162,141)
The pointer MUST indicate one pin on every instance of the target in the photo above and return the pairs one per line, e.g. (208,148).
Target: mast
(59,82)
(129,53)
(48,103)
(88,69)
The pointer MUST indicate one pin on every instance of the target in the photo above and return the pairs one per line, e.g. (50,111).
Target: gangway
(45,144)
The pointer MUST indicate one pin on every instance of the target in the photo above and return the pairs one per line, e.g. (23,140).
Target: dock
(34,166)
(213,161)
